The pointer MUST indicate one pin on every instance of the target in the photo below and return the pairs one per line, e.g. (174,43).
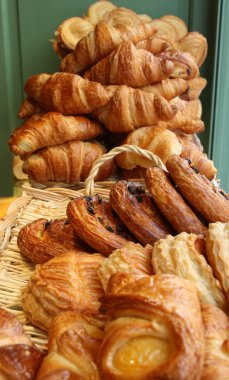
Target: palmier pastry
(155,332)
(182,256)
(217,249)
(216,329)
(171,203)
(73,344)
(67,282)
(41,240)
(131,258)
(202,194)
(138,213)
(19,358)
(95,222)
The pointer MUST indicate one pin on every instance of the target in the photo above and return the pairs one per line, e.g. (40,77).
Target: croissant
(130,66)
(194,89)
(216,329)
(157,140)
(178,24)
(195,44)
(70,162)
(19,358)
(171,203)
(202,194)
(101,42)
(41,240)
(184,65)
(168,88)
(155,329)
(165,29)
(122,16)
(28,108)
(183,256)
(98,10)
(73,344)
(51,128)
(132,108)
(95,222)
(68,282)
(67,93)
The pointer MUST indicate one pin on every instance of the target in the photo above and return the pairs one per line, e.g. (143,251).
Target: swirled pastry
(41,240)
(138,212)
(182,255)
(19,358)
(155,330)
(131,258)
(74,341)
(95,222)
(67,282)
(216,329)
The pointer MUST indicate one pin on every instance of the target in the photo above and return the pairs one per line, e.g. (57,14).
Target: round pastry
(171,203)
(202,194)
(95,222)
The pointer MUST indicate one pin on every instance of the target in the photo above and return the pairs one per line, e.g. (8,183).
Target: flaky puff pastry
(131,258)
(216,330)
(182,255)
(67,282)
(73,344)
(19,358)
(217,249)
(155,329)
(41,240)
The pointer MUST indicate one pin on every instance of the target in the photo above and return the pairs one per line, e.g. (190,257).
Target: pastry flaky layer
(155,329)
(73,344)
(183,255)
(67,282)
(19,358)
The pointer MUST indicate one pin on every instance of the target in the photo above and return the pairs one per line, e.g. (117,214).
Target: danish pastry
(41,240)
(137,212)
(202,194)
(95,222)
(171,203)
(155,330)
(19,358)
(68,282)
(182,255)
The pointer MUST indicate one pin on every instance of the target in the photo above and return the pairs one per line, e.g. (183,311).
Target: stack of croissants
(133,287)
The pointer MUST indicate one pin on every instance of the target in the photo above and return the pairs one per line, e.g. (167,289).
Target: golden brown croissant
(202,194)
(41,240)
(132,108)
(216,329)
(131,258)
(122,16)
(51,128)
(28,108)
(155,332)
(70,162)
(98,10)
(184,65)
(178,24)
(95,222)
(195,87)
(171,203)
(195,44)
(19,358)
(183,256)
(157,140)
(101,42)
(168,88)
(73,344)
(66,282)
(130,66)
(154,45)
(67,93)
(138,213)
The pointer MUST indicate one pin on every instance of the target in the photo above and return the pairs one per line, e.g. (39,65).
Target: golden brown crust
(19,358)
(179,25)
(136,173)
(171,203)
(28,108)
(153,45)
(73,345)
(183,256)
(199,191)
(51,128)
(156,330)
(137,212)
(71,30)
(168,88)
(68,282)
(184,65)
(98,10)
(195,44)
(94,222)
(195,87)
(216,327)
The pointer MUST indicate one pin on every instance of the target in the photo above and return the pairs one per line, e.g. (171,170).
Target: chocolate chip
(195,169)
(47,224)
(109,228)
(139,198)
(88,199)
(189,161)
(66,222)
(100,220)
(120,229)
(91,210)
(135,189)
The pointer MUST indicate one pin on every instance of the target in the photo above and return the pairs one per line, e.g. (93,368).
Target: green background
(27,25)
